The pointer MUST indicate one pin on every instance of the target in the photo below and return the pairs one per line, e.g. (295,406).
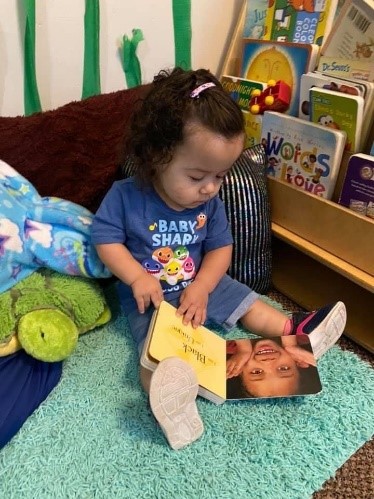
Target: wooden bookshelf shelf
(322,252)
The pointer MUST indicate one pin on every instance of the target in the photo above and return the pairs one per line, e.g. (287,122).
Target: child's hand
(147,289)
(235,364)
(193,304)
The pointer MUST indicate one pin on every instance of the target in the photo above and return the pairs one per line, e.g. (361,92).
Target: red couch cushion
(73,152)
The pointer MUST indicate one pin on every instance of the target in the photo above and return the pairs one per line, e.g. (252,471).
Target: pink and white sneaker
(323,326)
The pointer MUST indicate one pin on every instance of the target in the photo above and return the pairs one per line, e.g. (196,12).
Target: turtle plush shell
(47,311)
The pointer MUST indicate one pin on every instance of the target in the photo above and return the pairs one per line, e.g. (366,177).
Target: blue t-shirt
(169,244)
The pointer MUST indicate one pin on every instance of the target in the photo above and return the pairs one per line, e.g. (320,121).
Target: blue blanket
(40,231)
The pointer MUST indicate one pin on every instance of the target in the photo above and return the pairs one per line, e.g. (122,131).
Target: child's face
(270,371)
(196,171)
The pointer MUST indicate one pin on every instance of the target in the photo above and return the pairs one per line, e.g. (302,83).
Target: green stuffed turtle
(46,312)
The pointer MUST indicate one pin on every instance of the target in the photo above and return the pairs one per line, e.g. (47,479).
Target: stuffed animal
(46,312)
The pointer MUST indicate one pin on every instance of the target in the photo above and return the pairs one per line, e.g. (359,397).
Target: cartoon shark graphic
(152,267)
(163,255)
(181,253)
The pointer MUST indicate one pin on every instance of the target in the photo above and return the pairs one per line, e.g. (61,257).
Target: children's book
(340,112)
(353,35)
(358,185)
(368,95)
(255,15)
(264,60)
(315,79)
(302,153)
(302,21)
(346,68)
(279,367)
(252,125)
(240,89)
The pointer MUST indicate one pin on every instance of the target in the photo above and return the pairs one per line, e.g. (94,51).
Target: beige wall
(60,35)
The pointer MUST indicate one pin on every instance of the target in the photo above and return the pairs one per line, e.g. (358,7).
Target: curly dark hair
(157,126)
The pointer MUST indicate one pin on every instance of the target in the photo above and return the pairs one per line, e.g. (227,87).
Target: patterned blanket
(40,231)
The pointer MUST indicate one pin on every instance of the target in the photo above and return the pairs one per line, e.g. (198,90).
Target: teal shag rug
(95,437)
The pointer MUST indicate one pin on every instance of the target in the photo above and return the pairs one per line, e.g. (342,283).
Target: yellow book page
(204,350)
(269,20)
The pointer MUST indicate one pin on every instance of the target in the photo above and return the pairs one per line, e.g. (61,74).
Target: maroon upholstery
(73,152)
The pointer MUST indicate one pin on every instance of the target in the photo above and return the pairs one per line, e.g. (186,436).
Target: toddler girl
(165,235)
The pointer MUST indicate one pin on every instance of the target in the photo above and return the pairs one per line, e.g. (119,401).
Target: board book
(358,185)
(339,111)
(240,89)
(304,154)
(315,79)
(264,60)
(299,21)
(209,354)
(350,86)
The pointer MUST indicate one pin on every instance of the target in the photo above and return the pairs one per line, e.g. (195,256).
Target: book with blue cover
(301,21)
(255,15)
(302,153)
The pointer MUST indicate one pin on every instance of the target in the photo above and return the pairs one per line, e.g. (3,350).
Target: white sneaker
(172,396)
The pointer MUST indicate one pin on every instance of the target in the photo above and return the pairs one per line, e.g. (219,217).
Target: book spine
(269,20)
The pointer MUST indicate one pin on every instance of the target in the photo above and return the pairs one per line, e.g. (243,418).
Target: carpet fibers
(95,437)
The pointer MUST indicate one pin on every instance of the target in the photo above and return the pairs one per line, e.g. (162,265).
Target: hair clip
(197,91)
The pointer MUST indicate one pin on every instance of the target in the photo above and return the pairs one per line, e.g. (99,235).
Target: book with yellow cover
(233,369)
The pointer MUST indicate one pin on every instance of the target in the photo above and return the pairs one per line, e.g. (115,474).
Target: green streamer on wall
(30,86)
(91,71)
(182,32)
(129,59)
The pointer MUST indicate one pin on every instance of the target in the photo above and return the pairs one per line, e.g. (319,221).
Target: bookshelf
(322,252)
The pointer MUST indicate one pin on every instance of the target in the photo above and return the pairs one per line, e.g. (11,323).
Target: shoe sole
(329,330)
(172,397)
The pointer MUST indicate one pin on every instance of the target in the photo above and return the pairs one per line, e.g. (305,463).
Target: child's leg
(172,390)
(265,320)
(324,326)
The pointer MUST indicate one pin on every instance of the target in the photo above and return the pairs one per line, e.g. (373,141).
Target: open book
(233,369)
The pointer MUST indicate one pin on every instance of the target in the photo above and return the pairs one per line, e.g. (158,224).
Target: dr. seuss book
(340,112)
(302,153)
(240,89)
(264,60)
(301,21)
(214,360)
(353,35)
(255,15)
(358,185)
(345,68)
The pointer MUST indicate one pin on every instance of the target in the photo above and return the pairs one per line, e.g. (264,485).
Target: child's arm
(120,262)
(194,299)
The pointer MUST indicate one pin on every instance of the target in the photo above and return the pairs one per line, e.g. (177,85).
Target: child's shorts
(229,301)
